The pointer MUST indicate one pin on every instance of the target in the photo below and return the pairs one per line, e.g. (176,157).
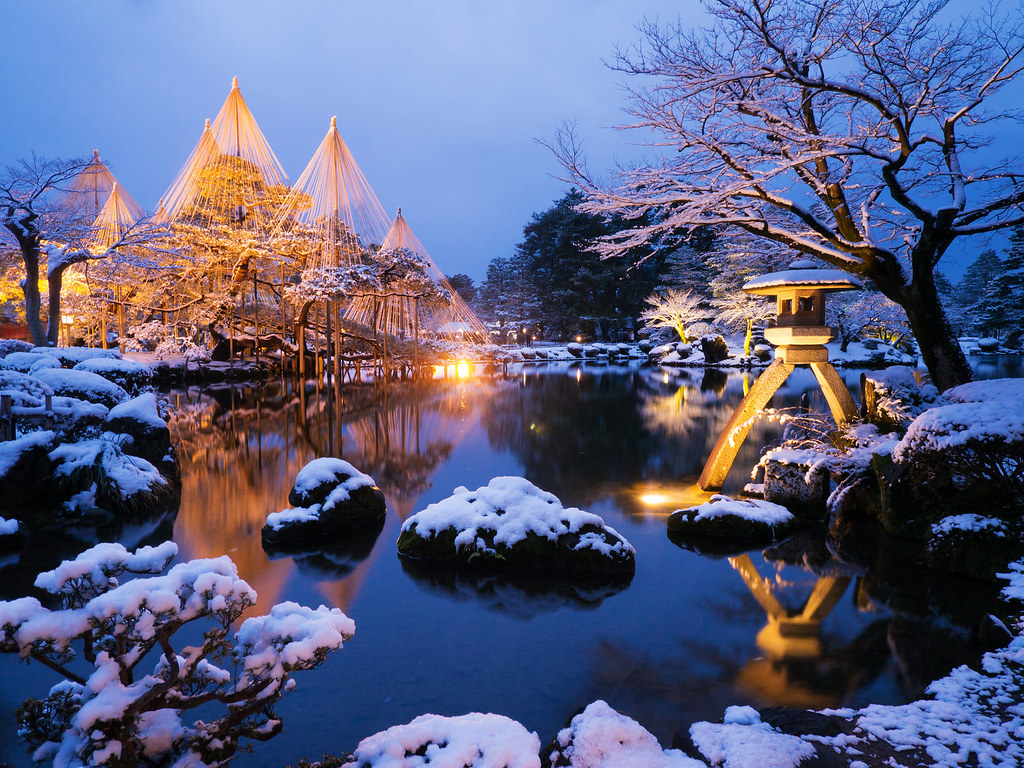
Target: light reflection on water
(687,637)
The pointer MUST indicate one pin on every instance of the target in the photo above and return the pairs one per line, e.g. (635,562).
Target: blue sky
(440,102)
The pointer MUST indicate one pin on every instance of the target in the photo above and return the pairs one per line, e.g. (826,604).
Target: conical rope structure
(442,313)
(230,168)
(117,216)
(87,193)
(335,204)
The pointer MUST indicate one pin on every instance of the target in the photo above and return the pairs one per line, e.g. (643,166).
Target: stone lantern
(800,335)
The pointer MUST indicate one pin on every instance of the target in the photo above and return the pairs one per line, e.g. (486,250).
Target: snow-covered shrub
(183,348)
(893,398)
(14,345)
(82,385)
(126,691)
(127,374)
(13,381)
(969,454)
(22,361)
(145,337)
(71,356)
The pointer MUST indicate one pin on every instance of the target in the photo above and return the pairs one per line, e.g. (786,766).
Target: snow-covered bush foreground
(128,681)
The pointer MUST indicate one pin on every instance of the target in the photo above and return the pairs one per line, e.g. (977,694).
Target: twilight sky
(440,102)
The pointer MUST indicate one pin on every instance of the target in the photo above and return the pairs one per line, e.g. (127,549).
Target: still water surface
(677,644)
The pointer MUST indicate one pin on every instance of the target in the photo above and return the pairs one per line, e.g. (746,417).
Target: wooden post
(284,323)
(338,373)
(327,344)
(384,337)
(6,418)
(120,318)
(241,322)
(255,317)
(416,338)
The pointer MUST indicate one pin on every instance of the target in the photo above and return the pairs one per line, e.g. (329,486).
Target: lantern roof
(802,274)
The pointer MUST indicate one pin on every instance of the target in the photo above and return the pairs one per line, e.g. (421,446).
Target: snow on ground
(471,741)
(512,507)
(968,522)
(973,717)
(743,741)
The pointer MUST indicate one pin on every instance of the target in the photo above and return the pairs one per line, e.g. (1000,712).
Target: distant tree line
(989,298)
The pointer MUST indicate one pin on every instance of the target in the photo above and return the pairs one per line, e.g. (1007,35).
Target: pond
(688,636)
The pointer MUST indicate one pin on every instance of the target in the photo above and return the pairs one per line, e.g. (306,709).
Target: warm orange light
(462,369)
(579,339)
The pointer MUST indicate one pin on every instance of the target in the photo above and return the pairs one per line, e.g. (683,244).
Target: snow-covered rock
(331,498)
(470,741)
(83,385)
(796,479)
(722,517)
(512,524)
(98,473)
(600,737)
(127,374)
(139,419)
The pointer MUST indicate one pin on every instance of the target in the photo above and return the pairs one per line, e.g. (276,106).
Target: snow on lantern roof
(802,274)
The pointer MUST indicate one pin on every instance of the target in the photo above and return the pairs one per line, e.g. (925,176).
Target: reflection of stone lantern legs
(788,633)
(800,335)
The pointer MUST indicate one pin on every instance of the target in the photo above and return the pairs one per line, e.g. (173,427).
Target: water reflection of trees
(241,447)
(586,434)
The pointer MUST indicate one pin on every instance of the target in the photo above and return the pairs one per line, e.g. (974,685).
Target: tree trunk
(33,301)
(54,281)
(940,349)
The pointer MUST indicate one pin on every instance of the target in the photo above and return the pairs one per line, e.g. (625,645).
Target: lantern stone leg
(724,453)
(840,401)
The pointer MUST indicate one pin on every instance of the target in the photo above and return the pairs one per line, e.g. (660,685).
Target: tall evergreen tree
(977,292)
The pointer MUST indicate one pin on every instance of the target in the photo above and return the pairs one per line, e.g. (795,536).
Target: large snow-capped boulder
(722,517)
(714,348)
(127,374)
(82,385)
(600,737)
(331,498)
(140,419)
(97,473)
(796,479)
(469,741)
(511,524)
